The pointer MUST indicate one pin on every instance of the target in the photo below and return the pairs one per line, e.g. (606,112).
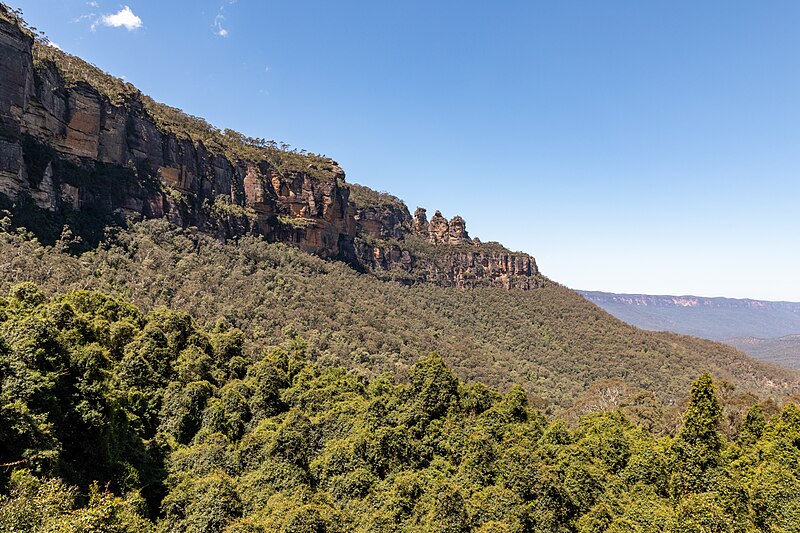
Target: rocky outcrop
(16,74)
(71,147)
(461,267)
(383,222)
(421,221)
(444,254)
(457,231)
(439,230)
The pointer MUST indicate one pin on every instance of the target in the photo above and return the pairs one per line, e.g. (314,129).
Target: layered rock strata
(440,251)
(66,146)
(69,147)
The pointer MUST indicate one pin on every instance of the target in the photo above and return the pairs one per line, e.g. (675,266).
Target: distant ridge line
(642,299)
(715,318)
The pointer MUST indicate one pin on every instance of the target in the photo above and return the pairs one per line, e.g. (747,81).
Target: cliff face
(440,251)
(464,268)
(68,147)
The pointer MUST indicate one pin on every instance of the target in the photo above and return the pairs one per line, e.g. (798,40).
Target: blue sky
(629,146)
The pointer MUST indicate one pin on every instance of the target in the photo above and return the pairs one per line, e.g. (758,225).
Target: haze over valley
(765,330)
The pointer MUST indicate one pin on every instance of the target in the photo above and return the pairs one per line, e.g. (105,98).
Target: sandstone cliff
(68,146)
(410,250)
(75,141)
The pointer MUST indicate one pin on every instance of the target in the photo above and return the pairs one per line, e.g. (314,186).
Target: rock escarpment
(440,251)
(439,230)
(379,215)
(462,267)
(68,146)
(76,143)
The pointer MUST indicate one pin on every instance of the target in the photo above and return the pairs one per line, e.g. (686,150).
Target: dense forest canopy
(551,341)
(113,419)
(154,378)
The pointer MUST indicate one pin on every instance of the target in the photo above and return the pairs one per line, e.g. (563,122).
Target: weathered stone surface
(12,178)
(462,268)
(16,74)
(438,229)
(444,255)
(75,128)
(383,222)
(421,221)
(68,147)
(457,231)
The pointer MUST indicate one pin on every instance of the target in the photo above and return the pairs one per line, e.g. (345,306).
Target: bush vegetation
(366,198)
(550,340)
(116,419)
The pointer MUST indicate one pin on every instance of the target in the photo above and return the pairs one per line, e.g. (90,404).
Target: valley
(202,331)
(762,329)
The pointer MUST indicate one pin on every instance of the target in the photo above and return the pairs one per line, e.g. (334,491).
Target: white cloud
(92,3)
(89,16)
(54,45)
(219,20)
(124,17)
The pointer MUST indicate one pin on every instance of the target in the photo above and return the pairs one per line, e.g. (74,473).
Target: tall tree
(697,449)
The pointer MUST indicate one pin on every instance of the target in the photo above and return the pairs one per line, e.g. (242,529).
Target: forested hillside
(241,229)
(205,332)
(549,340)
(762,329)
(784,351)
(170,426)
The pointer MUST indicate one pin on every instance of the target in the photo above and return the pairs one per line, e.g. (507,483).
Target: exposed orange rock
(69,147)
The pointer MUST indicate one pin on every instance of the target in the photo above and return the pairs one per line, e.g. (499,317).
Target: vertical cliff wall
(76,143)
(394,245)
(68,147)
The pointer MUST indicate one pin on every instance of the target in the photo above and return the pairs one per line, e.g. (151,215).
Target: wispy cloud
(219,29)
(124,18)
(92,3)
(88,16)
(219,20)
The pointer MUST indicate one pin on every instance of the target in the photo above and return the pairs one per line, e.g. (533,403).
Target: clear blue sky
(629,146)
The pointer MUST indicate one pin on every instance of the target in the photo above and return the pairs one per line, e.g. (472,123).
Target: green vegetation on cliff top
(235,146)
(366,198)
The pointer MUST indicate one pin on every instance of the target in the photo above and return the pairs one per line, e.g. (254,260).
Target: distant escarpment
(711,318)
(80,147)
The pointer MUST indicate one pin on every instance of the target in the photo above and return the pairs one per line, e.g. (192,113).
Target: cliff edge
(80,147)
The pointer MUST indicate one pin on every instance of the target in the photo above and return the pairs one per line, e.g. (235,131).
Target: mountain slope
(762,329)
(272,241)
(550,340)
(783,351)
(186,432)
